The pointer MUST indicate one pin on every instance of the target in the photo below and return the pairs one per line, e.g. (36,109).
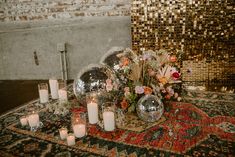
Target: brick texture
(28,10)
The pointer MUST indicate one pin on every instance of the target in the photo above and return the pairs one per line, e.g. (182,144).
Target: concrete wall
(89,28)
(87,40)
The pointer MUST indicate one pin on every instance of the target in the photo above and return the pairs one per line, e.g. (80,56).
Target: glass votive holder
(43,92)
(53,83)
(63,133)
(108,112)
(23,121)
(62,91)
(120,118)
(79,124)
(70,139)
(33,120)
(92,107)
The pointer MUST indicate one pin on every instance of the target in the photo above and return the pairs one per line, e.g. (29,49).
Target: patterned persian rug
(202,125)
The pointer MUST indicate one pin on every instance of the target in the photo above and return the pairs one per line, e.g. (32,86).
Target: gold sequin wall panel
(202,29)
(158,24)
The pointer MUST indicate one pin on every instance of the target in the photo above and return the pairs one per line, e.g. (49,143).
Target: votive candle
(23,120)
(33,120)
(63,95)
(43,92)
(71,139)
(43,95)
(63,133)
(79,130)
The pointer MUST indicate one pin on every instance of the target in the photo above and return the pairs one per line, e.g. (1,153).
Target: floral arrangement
(153,72)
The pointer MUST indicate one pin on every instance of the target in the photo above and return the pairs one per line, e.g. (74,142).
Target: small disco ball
(150,108)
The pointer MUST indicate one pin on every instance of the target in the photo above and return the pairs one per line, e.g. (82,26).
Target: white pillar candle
(63,95)
(33,120)
(79,130)
(109,121)
(63,133)
(70,140)
(92,112)
(43,95)
(23,121)
(53,83)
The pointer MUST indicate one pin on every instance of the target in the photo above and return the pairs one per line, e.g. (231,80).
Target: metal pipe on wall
(65,66)
(62,65)
(61,47)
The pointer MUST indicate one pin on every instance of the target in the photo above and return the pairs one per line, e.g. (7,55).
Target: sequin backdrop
(202,29)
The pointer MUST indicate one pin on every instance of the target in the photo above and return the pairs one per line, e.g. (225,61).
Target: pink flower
(173,58)
(139,90)
(108,81)
(151,72)
(163,90)
(127,89)
(170,91)
(109,87)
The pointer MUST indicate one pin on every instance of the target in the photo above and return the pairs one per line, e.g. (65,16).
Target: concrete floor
(15,93)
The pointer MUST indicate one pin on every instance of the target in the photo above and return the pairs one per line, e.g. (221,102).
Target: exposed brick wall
(28,10)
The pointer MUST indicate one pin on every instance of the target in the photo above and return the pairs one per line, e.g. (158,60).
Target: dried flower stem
(143,66)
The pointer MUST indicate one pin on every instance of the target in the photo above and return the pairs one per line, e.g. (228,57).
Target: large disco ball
(150,108)
(92,79)
(111,58)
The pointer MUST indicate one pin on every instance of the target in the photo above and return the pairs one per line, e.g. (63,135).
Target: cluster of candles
(70,138)
(79,125)
(79,130)
(107,113)
(58,91)
(32,119)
